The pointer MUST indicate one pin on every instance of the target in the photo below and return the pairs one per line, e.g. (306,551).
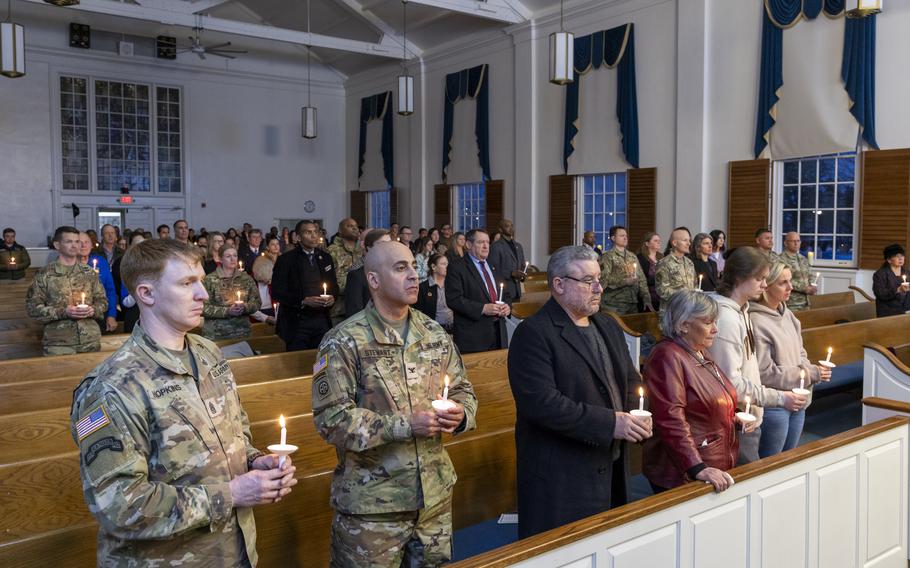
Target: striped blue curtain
(377,107)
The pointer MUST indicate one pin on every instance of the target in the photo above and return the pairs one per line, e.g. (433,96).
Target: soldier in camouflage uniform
(375,378)
(57,293)
(14,258)
(346,252)
(764,241)
(801,271)
(621,277)
(168,466)
(225,317)
(675,271)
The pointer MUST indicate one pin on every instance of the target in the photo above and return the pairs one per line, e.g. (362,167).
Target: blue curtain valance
(857,67)
(474,84)
(613,48)
(376,107)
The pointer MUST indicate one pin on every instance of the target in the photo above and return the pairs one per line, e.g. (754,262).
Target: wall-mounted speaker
(166,47)
(80,36)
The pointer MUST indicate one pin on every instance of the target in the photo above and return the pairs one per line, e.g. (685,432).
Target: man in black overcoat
(573,382)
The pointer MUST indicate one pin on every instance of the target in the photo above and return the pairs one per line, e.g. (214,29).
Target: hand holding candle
(640,412)
(82,303)
(444,404)
(827,361)
(641,399)
(745,417)
(802,390)
(12,262)
(283,449)
(325,291)
(501,287)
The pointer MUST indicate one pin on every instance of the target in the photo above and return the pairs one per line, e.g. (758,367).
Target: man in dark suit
(472,291)
(572,379)
(250,250)
(297,284)
(508,259)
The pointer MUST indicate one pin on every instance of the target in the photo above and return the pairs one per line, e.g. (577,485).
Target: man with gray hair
(573,380)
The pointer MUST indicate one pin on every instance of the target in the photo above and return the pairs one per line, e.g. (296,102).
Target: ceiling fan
(201,50)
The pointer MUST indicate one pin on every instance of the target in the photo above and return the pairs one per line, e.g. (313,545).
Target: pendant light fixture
(308,113)
(863,8)
(405,81)
(62,2)
(562,53)
(12,46)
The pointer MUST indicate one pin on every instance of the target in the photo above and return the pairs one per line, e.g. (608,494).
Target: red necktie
(491,289)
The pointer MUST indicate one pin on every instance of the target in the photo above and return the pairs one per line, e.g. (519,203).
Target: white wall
(697,73)
(244,156)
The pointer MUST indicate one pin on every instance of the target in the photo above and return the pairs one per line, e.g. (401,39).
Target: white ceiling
(431,23)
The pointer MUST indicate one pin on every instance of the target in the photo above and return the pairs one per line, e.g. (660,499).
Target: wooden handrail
(573,532)
(887,404)
(626,329)
(901,366)
(862,293)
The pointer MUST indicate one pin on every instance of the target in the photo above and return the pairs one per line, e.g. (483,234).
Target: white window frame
(93,190)
(580,208)
(480,211)
(777,213)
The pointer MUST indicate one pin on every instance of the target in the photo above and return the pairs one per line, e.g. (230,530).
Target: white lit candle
(811,256)
(748,403)
(12,261)
(500,292)
(238,300)
(95,264)
(527,263)
(828,358)
(802,379)
(700,277)
(445,390)
(904,276)
(275,308)
(325,289)
(284,430)
(240,263)
(641,399)
(82,303)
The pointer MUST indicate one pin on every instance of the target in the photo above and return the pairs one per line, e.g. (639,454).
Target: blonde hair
(262,269)
(146,261)
(777,269)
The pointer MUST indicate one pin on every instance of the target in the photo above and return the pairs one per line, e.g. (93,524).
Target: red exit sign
(126,200)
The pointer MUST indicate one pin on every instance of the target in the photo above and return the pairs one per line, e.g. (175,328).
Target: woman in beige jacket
(782,361)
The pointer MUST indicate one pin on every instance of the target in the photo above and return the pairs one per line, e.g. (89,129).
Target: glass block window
(74,133)
(818,200)
(122,132)
(380,213)
(470,206)
(603,202)
(169,159)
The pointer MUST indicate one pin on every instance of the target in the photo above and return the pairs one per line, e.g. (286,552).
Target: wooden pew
(866,295)
(646,323)
(45,510)
(829,300)
(848,339)
(830,316)
(56,393)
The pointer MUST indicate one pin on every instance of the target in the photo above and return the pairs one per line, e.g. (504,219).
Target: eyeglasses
(591,283)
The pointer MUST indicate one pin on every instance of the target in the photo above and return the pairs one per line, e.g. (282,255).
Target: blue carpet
(831,412)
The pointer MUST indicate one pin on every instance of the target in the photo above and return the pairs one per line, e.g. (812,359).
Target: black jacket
(289,289)
(249,255)
(709,271)
(504,261)
(466,294)
(426,297)
(888,302)
(357,292)
(565,419)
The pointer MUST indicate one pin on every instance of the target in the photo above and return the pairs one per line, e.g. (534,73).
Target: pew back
(818,317)
(833,299)
(847,339)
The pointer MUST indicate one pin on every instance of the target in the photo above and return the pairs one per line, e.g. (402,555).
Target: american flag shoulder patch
(92,422)
(321,364)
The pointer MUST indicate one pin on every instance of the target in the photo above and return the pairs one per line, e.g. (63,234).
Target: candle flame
(83,297)
(802,374)
(641,392)
(238,295)
(830,350)
(446,381)
(748,399)
(281,420)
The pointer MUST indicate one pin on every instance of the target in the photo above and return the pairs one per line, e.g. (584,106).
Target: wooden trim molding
(574,532)
(892,358)
(861,292)
(887,404)
(625,328)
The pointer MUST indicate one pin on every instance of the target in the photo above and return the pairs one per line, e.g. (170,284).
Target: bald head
(680,240)
(391,273)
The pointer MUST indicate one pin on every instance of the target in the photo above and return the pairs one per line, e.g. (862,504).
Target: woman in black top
(705,267)
(647,259)
(431,297)
(889,284)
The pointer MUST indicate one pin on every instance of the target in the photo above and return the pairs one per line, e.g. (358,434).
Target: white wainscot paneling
(656,549)
(586,562)
(720,536)
(838,508)
(783,514)
(886,494)
(882,379)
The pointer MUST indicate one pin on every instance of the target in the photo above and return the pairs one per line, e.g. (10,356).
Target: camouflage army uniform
(344,260)
(802,278)
(618,296)
(222,292)
(770,254)
(17,252)
(673,274)
(158,449)
(55,288)
(390,486)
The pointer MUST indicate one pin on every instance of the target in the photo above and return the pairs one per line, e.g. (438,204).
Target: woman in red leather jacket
(692,402)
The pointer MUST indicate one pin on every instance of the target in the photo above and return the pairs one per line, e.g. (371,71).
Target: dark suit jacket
(249,255)
(565,419)
(466,293)
(888,302)
(357,292)
(426,297)
(709,269)
(289,290)
(504,261)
